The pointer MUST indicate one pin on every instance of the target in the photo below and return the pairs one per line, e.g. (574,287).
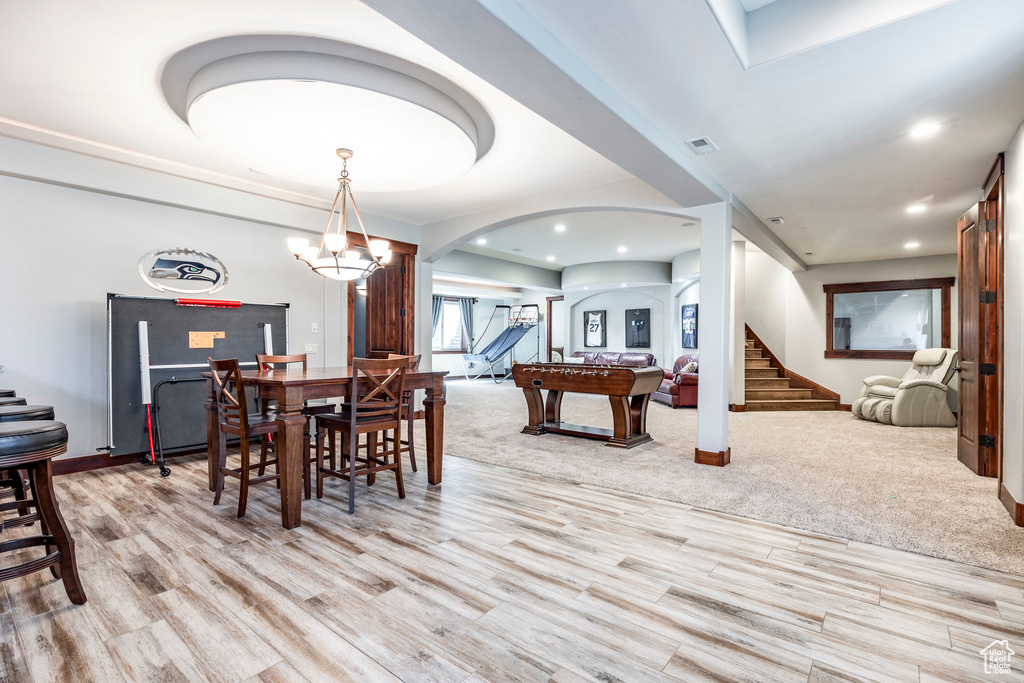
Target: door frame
(994,207)
(408,299)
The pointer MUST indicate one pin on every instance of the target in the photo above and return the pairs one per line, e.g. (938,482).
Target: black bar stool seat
(31,445)
(25,412)
(12,401)
(8,393)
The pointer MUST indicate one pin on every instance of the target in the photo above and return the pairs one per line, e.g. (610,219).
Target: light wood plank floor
(497,575)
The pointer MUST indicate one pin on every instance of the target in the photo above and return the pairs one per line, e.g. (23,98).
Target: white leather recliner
(917,400)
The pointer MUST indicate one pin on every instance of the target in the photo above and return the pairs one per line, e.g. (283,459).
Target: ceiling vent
(776,220)
(702,145)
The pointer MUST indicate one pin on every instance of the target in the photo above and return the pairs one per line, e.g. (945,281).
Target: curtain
(435,310)
(466,308)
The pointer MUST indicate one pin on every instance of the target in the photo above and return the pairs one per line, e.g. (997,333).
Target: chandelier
(333,259)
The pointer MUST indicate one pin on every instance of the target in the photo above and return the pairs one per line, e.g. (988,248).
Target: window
(887,320)
(449,337)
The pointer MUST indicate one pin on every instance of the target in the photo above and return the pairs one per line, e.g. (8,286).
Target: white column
(424,296)
(737,347)
(713,324)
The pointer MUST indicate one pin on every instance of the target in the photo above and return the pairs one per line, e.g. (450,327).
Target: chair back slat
(377,386)
(231,405)
(266,362)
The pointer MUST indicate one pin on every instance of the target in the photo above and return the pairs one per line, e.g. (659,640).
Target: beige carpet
(821,471)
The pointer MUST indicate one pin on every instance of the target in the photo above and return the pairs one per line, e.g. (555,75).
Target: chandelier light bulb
(378,247)
(297,245)
(309,254)
(334,242)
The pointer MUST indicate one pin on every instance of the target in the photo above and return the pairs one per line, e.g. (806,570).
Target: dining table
(290,389)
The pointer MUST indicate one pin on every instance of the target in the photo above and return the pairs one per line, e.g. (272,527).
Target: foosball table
(628,390)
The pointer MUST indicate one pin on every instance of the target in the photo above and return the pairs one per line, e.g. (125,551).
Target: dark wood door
(969,273)
(389,307)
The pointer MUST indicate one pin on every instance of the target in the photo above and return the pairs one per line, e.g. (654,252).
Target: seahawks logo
(185,271)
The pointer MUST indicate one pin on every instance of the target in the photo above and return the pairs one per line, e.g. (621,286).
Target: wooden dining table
(290,389)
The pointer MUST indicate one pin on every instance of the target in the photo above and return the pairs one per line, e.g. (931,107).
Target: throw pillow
(689,367)
(573,359)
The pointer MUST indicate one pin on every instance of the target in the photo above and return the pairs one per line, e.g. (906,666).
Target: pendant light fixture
(333,259)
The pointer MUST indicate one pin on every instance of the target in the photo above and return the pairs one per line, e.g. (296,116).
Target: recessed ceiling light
(912,245)
(586,288)
(481,241)
(925,129)
(559,228)
(916,208)
(622,250)
(623,284)
(551,258)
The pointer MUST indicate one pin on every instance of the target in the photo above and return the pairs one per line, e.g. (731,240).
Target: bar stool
(20,413)
(15,479)
(30,445)
(8,393)
(12,401)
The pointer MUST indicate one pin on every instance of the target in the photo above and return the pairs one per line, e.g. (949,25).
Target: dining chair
(267,363)
(233,418)
(375,405)
(408,414)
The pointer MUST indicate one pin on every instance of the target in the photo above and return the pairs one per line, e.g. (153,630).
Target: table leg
(535,408)
(553,406)
(620,418)
(291,449)
(213,455)
(638,413)
(434,407)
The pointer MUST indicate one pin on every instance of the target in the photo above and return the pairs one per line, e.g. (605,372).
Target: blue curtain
(466,308)
(435,310)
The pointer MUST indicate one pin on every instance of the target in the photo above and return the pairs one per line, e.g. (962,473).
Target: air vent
(808,253)
(702,145)
(776,220)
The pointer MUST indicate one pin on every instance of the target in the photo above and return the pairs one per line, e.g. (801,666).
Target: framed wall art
(638,328)
(594,329)
(690,326)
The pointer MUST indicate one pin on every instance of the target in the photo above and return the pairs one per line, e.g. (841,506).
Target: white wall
(805,319)
(62,250)
(616,302)
(1013,319)
(766,289)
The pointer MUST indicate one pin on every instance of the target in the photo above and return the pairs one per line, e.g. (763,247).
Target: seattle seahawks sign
(184,271)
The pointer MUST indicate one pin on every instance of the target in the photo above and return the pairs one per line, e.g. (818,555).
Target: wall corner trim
(713,458)
(1015,508)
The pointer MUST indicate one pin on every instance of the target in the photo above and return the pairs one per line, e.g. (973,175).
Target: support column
(714,323)
(737,348)
(424,299)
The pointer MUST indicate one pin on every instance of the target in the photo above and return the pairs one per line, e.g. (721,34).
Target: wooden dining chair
(408,414)
(267,363)
(375,405)
(233,418)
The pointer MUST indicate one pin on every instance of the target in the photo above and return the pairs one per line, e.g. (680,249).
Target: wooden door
(389,308)
(980,271)
(969,251)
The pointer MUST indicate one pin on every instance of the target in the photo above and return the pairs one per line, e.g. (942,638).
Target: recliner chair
(916,400)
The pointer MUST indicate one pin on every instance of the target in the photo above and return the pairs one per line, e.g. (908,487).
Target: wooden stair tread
(777,394)
(790,404)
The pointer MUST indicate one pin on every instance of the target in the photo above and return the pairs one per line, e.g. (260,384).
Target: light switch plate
(314,327)
(310,348)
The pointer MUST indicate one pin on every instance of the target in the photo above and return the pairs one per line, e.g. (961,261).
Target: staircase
(766,390)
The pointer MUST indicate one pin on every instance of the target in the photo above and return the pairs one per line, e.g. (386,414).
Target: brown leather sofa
(633,360)
(679,389)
